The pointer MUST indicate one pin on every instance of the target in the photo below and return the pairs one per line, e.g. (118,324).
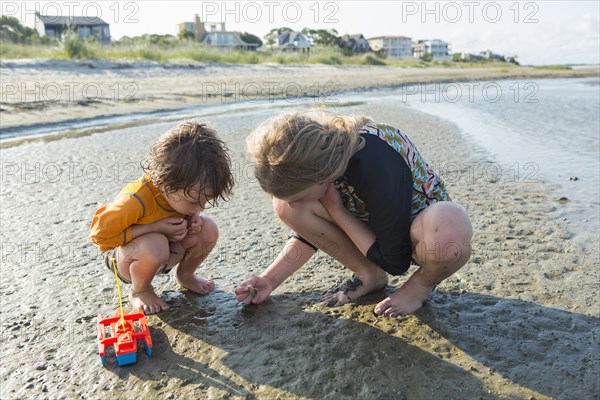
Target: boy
(154,223)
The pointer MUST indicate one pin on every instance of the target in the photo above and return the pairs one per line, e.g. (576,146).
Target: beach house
(395,47)
(488,55)
(286,41)
(467,57)
(214,34)
(355,43)
(438,49)
(86,27)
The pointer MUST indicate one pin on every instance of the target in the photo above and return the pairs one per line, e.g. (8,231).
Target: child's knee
(286,213)
(152,248)
(210,230)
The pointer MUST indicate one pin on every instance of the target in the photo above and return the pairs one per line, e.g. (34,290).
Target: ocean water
(542,130)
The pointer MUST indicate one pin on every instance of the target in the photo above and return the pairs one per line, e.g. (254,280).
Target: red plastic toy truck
(124,336)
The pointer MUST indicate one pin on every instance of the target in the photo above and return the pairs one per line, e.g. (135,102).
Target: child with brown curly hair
(154,223)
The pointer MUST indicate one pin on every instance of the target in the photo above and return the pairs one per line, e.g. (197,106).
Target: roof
(70,20)
(355,36)
(290,37)
(431,40)
(287,39)
(390,37)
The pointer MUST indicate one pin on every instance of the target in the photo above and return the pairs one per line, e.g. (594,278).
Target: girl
(361,192)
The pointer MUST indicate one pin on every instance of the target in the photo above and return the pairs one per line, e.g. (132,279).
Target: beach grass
(559,67)
(19,51)
(181,51)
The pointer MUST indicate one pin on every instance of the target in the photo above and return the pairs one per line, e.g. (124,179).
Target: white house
(436,47)
(469,57)
(488,55)
(395,47)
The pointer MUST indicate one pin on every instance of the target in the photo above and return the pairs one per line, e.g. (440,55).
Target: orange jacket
(140,202)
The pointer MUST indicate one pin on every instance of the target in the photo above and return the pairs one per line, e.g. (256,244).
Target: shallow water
(543,130)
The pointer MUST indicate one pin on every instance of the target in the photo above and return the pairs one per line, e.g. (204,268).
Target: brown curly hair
(188,155)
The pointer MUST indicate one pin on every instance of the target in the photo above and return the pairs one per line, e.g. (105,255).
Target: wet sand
(519,321)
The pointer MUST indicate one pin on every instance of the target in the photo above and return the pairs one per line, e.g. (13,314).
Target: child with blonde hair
(361,192)
(154,223)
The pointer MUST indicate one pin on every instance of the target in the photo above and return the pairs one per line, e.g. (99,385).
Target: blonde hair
(294,151)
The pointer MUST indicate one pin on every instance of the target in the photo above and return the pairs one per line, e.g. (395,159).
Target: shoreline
(70,91)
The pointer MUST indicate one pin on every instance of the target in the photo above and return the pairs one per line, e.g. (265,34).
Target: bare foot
(404,301)
(354,288)
(148,301)
(196,284)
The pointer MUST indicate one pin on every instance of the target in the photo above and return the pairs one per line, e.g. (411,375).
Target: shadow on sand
(550,351)
(288,345)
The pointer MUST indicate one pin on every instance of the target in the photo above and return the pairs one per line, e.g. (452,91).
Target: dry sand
(520,321)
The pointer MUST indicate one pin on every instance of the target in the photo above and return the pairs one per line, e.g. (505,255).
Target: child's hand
(175,229)
(255,290)
(194,223)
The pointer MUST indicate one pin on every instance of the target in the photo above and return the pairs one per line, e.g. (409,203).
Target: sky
(538,32)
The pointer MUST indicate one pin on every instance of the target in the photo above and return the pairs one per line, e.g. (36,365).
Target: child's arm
(174,228)
(112,223)
(359,232)
(293,256)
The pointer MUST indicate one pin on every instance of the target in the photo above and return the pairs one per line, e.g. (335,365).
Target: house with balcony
(439,50)
(395,47)
(86,27)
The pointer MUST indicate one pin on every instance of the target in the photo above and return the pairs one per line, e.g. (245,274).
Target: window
(84,31)
(97,31)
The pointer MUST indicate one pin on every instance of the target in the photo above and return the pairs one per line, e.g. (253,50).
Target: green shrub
(16,51)
(150,53)
(553,67)
(75,47)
